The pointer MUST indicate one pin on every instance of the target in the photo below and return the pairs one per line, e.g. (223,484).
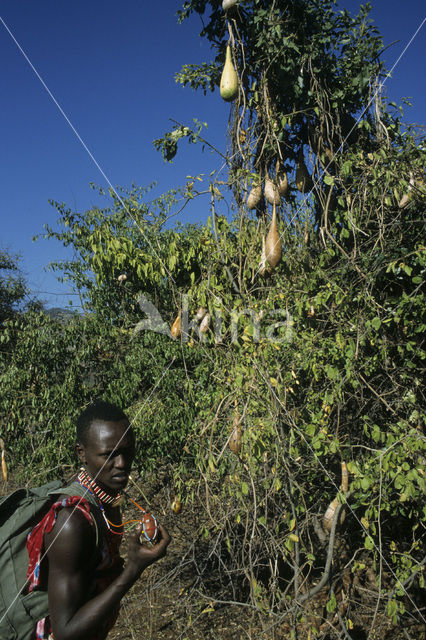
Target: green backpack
(20,511)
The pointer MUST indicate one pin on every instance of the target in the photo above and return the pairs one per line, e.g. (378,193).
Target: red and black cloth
(105,572)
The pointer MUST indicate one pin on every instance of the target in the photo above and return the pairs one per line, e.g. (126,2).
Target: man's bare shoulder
(72,539)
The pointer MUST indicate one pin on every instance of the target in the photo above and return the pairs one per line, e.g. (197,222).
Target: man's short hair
(98,410)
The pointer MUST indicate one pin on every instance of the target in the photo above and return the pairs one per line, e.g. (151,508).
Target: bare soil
(166,603)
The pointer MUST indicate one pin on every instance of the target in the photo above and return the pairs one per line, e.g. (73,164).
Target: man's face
(108,454)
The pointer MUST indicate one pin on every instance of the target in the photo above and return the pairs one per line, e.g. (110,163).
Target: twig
(203,140)
(222,258)
(326,574)
(379,529)
(376,394)
(407,581)
(347,256)
(343,626)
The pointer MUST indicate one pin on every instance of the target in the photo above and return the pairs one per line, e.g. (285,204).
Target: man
(84,573)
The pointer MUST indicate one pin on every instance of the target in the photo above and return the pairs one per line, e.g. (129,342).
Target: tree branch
(325,576)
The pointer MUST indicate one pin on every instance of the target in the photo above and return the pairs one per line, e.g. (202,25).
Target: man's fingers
(164,534)
(136,532)
(159,547)
(163,541)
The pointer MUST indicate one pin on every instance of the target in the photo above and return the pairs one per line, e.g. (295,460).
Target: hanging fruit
(4,465)
(345,477)
(282,183)
(324,153)
(303,179)
(122,278)
(176,329)
(329,154)
(271,191)
(236,433)
(228,4)
(254,196)
(201,312)
(263,265)
(406,198)
(306,234)
(229,78)
(205,323)
(273,247)
(281,180)
(327,521)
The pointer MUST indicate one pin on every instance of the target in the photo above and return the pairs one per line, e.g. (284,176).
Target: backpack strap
(19,511)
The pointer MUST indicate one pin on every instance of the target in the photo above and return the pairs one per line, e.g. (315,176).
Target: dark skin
(107,456)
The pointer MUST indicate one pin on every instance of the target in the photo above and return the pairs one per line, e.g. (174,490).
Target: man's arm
(70,548)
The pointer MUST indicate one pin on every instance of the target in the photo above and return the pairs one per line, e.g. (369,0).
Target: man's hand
(140,556)
(73,615)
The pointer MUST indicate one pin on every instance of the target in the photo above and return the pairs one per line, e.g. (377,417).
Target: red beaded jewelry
(86,481)
(147,520)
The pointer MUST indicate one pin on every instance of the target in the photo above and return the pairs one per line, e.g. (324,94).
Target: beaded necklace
(90,485)
(86,481)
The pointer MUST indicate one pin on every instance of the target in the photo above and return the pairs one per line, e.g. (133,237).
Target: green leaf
(392,608)
(376,323)
(332,372)
(369,543)
(244,488)
(375,434)
(365,483)
(331,604)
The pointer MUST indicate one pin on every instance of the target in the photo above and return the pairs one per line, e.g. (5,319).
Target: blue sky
(111,68)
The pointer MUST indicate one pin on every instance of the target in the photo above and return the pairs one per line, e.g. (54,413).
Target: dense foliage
(319,362)
(12,285)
